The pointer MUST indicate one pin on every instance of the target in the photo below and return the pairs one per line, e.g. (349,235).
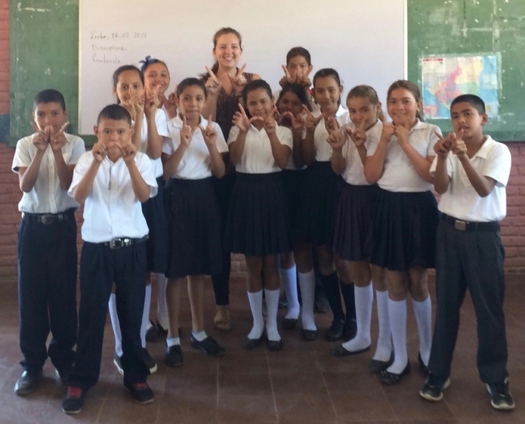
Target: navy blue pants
(473,260)
(47,274)
(100,268)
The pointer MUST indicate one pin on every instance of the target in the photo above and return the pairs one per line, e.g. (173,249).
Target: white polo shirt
(354,172)
(399,174)
(162,129)
(195,164)
(46,196)
(461,201)
(257,157)
(323,151)
(112,210)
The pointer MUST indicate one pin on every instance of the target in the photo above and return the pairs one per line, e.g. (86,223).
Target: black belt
(120,242)
(49,218)
(461,225)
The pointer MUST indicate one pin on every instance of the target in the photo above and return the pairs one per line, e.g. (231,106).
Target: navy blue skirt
(257,219)
(194,227)
(293,181)
(405,227)
(321,192)
(353,236)
(157,244)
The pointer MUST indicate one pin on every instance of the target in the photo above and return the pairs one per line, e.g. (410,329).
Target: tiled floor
(302,384)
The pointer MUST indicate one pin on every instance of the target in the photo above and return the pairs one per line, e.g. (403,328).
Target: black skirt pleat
(353,235)
(194,225)
(293,182)
(257,220)
(157,244)
(405,227)
(321,191)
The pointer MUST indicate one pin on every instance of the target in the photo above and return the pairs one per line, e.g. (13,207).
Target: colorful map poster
(446,77)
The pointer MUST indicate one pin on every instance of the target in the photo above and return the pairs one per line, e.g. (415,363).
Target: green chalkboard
(462,27)
(44,54)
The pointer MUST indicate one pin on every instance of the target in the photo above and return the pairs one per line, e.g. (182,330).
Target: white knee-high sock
(423,313)
(307,285)
(289,282)
(115,323)
(256,306)
(397,310)
(162,312)
(272,305)
(145,315)
(384,341)
(364,297)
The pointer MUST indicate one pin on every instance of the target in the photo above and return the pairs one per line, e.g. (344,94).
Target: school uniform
(354,218)
(114,252)
(321,189)
(47,259)
(194,221)
(153,209)
(406,215)
(470,255)
(257,220)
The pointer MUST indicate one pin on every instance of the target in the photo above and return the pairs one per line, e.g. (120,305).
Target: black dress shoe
(28,382)
(174,357)
(375,366)
(289,323)
(156,332)
(274,344)
(251,344)
(309,335)
(335,332)
(390,378)
(339,350)
(422,365)
(209,346)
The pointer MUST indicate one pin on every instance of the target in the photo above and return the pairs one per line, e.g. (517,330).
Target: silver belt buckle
(460,225)
(47,219)
(116,243)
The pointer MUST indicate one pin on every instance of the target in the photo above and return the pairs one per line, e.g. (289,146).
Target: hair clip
(148,60)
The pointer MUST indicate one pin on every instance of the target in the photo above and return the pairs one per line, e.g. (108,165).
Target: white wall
(365,41)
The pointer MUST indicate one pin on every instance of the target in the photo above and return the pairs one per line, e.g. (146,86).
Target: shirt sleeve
(161,122)
(80,170)
(285,136)
(234,133)
(22,157)
(146,170)
(78,149)
(433,139)
(498,164)
(222,147)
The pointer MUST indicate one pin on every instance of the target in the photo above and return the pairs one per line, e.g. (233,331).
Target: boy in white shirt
(112,180)
(47,250)
(470,172)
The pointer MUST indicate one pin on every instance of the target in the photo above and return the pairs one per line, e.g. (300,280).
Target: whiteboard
(364,41)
